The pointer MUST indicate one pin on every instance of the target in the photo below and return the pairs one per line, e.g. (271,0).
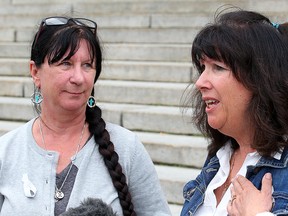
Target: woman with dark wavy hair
(68,153)
(240,104)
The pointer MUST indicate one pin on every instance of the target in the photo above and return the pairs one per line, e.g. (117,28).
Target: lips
(210,103)
(74,93)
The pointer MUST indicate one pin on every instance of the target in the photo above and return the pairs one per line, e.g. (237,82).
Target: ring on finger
(233,198)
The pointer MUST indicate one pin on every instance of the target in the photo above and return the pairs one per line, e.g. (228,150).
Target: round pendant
(59,195)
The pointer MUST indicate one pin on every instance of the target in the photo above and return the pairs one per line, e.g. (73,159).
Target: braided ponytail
(106,148)
(282,28)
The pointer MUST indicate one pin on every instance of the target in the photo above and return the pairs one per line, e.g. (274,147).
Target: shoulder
(119,134)
(126,143)
(284,155)
(111,127)
(18,135)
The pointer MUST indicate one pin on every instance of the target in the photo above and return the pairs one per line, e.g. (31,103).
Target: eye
(220,67)
(88,66)
(64,65)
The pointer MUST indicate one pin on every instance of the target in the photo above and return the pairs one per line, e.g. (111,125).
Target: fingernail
(268,176)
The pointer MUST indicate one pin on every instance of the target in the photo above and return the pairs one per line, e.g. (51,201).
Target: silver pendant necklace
(59,194)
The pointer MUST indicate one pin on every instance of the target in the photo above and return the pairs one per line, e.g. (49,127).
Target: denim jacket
(194,190)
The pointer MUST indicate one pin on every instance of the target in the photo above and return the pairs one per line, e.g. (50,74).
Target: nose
(77,76)
(202,82)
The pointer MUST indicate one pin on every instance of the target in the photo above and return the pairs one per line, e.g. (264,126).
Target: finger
(232,190)
(237,188)
(244,183)
(267,184)
(267,188)
(229,208)
(232,210)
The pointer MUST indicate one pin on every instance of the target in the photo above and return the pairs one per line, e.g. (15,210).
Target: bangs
(66,43)
(207,43)
(215,42)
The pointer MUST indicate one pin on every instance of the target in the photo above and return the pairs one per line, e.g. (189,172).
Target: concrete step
(173,179)
(151,25)
(148,93)
(14,67)
(175,72)
(108,33)
(158,119)
(90,7)
(14,50)
(15,86)
(133,52)
(175,209)
(189,151)
(6,126)
(139,14)
(111,91)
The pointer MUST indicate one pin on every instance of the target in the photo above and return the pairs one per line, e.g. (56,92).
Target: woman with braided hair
(68,153)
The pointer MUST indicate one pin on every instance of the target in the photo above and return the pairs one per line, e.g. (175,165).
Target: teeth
(210,102)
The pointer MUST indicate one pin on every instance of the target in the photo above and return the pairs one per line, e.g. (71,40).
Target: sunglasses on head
(58,21)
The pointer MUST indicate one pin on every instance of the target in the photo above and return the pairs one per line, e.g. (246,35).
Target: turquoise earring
(91,102)
(37,97)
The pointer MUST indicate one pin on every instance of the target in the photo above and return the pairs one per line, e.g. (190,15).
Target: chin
(217,122)
(214,125)
(74,106)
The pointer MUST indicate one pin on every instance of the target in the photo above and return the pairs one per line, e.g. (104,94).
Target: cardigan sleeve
(1,201)
(144,185)
(1,196)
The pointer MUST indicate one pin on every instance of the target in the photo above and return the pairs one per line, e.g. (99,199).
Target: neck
(245,146)
(62,126)
(57,119)
(66,144)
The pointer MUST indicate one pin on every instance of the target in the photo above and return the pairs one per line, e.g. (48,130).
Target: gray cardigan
(23,164)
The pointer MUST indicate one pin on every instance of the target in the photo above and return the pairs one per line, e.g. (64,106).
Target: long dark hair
(53,42)
(256,51)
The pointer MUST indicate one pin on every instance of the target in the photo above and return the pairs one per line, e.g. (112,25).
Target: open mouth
(210,103)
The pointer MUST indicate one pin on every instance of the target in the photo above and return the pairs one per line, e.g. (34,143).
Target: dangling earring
(37,97)
(91,102)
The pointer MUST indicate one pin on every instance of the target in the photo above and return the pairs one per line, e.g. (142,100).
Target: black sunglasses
(58,21)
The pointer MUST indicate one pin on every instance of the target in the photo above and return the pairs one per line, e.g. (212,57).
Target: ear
(34,72)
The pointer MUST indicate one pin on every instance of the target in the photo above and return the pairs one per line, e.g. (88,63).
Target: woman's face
(226,98)
(67,84)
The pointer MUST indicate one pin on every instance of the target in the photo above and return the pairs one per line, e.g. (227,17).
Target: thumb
(267,184)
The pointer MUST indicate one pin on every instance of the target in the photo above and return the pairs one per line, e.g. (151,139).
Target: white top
(209,206)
